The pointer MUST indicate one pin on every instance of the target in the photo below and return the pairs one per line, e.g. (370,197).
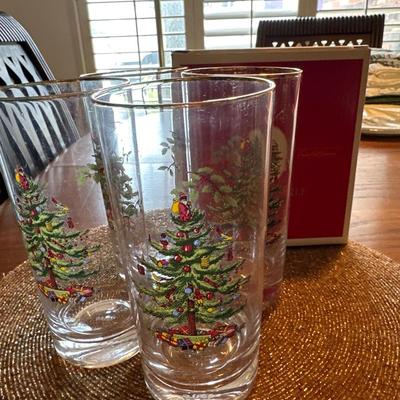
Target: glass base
(233,390)
(270,298)
(102,347)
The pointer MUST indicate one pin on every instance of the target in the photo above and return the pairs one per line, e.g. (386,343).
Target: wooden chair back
(310,31)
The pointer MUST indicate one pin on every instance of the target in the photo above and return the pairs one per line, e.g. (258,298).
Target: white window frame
(194,26)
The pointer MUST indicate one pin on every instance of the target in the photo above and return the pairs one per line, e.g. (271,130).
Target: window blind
(233,24)
(124,33)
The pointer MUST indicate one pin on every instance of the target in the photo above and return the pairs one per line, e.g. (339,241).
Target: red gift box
(328,130)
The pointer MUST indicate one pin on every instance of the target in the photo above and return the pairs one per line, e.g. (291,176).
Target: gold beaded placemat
(335,335)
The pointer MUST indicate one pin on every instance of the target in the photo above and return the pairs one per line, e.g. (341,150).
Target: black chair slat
(369,28)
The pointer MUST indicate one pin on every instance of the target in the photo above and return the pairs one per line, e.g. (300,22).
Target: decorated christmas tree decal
(56,252)
(275,200)
(197,282)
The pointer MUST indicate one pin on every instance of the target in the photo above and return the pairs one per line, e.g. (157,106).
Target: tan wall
(52,25)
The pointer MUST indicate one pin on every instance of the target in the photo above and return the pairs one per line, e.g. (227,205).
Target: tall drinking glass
(197,155)
(133,75)
(287,81)
(45,147)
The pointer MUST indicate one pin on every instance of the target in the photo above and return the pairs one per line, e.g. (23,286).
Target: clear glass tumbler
(197,155)
(45,148)
(96,171)
(287,81)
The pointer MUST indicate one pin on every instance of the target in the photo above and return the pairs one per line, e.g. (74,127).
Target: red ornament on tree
(196,230)
(186,268)
(180,234)
(178,258)
(164,243)
(141,269)
(197,294)
(180,310)
(209,296)
(187,247)
(191,304)
(169,294)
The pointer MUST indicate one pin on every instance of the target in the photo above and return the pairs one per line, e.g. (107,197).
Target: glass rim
(285,71)
(74,93)
(135,72)
(96,97)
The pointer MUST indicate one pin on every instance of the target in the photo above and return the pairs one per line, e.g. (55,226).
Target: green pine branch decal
(231,183)
(128,199)
(171,145)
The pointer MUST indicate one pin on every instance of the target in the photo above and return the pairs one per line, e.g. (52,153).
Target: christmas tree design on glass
(55,250)
(128,199)
(196,281)
(229,186)
(275,199)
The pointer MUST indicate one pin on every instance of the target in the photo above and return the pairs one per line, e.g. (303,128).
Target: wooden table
(375,219)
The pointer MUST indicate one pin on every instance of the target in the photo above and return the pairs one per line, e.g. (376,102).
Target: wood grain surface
(375,219)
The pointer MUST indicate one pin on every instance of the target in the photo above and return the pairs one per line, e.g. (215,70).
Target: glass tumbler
(45,147)
(133,75)
(287,81)
(197,154)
